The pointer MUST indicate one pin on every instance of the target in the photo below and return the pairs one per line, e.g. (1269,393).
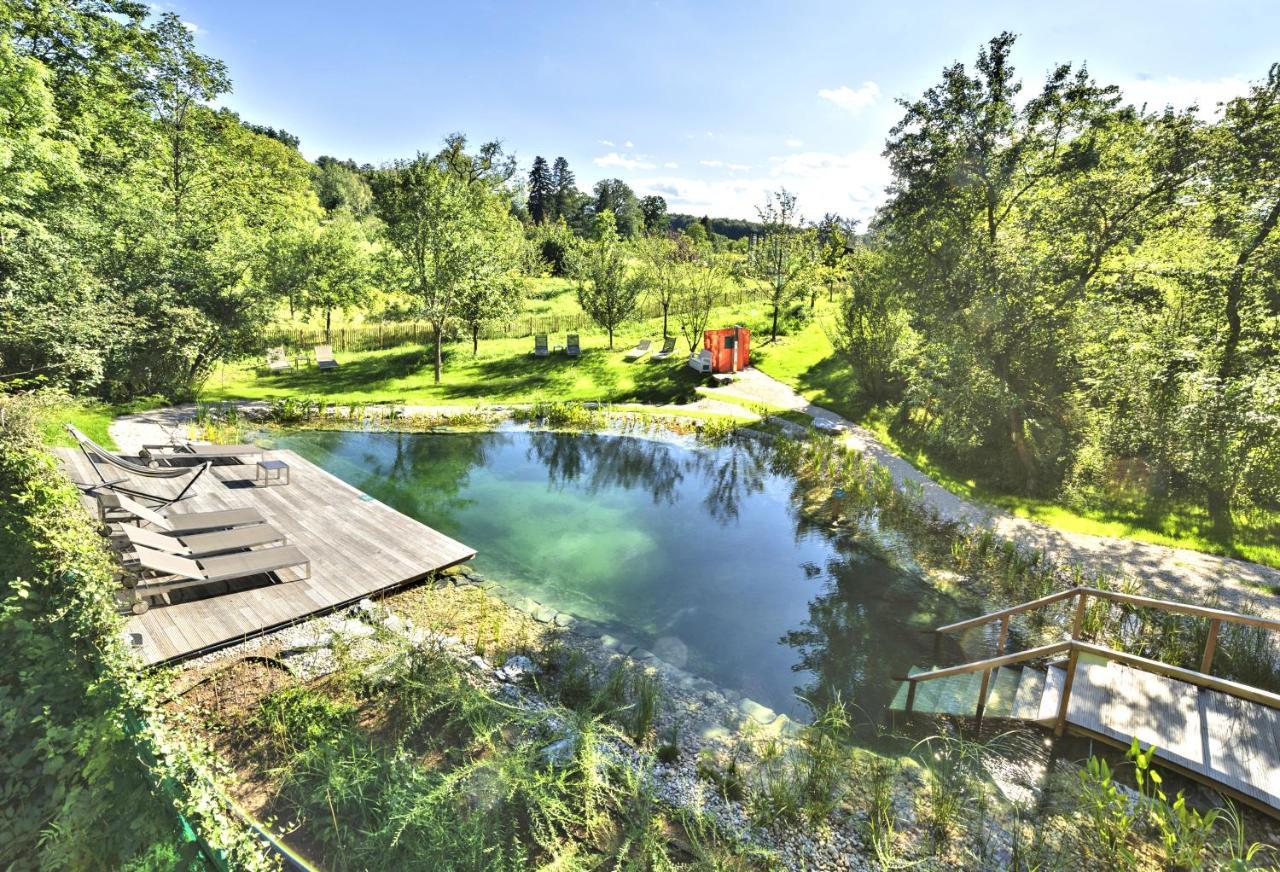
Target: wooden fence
(369,337)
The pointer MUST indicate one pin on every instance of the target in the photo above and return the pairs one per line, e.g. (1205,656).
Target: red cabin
(730,348)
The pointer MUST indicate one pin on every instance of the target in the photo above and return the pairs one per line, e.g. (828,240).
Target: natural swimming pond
(699,554)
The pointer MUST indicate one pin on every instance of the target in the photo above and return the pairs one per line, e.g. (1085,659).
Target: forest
(1065,295)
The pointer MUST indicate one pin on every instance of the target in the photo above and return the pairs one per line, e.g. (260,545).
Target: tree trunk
(665,306)
(438,331)
(475,338)
(773,336)
(1218,503)
(327,314)
(1018,436)
(611,339)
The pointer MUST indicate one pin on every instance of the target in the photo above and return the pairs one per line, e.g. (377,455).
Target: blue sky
(708,103)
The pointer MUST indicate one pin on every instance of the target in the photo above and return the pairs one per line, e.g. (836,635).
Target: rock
(758,713)
(561,751)
(354,628)
(564,619)
(479,663)
(544,614)
(516,668)
(397,624)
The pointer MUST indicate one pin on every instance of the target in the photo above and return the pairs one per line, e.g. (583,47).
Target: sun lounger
(540,348)
(276,359)
(571,346)
(668,349)
(193,451)
(116,507)
(641,349)
(99,456)
(325,358)
(701,362)
(203,544)
(159,573)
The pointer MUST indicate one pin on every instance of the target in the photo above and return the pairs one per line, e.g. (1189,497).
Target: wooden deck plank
(358,547)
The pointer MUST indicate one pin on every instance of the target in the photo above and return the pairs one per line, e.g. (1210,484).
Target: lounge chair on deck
(701,362)
(641,349)
(276,359)
(116,507)
(98,456)
(159,573)
(165,454)
(572,348)
(325,358)
(203,544)
(540,348)
(668,349)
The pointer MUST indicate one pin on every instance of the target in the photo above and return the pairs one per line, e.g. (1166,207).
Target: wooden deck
(357,545)
(1209,735)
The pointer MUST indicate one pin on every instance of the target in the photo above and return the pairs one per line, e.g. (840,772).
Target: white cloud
(794,143)
(852,99)
(1157,93)
(613,159)
(731,167)
(851,184)
(711,163)
(628,144)
(607,143)
(192,27)
(671,165)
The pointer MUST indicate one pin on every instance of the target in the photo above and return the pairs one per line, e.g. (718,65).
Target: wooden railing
(1075,646)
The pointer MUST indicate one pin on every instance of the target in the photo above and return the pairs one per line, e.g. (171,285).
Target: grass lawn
(92,418)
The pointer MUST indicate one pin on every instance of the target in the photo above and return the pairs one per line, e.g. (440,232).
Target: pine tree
(565,185)
(542,191)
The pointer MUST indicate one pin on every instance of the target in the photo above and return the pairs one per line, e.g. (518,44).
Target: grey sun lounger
(195,451)
(325,358)
(540,348)
(159,573)
(572,347)
(99,456)
(115,507)
(668,349)
(276,359)
(641,349)
(204,544)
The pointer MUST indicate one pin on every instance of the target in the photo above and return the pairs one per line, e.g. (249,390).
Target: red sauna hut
(727,350)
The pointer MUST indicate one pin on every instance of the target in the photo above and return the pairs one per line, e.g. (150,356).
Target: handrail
(991,662)
(1116,596)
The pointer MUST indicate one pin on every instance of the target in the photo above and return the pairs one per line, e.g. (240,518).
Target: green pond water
(699,554)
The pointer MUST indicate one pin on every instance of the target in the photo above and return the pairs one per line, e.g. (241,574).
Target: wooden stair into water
(1232,743)
(358,547)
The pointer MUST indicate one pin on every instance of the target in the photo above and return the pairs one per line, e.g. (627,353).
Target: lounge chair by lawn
(571,346)
(160,573)
(540,348)
(641,349)
(204,544)
(701,362)
(276,359)
(99,456)
(668,349)
(165,454)
(116,507)
(325,358)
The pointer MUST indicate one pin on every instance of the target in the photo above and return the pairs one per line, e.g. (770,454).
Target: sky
(708,104)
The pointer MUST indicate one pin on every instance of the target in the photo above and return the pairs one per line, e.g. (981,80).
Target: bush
(73,708)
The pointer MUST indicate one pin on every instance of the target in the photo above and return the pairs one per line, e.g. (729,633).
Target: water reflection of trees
(600,462)
(735,474)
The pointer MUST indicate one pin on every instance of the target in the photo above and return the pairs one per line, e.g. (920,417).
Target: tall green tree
(338,267)
(784,260)
(542,191)
(606,292)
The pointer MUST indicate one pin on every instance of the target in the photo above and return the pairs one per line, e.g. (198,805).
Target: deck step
(1026,702)
(953,695)
(1055,679)
(1004,687)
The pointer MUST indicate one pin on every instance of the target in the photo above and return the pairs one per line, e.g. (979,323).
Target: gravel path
(1169,573)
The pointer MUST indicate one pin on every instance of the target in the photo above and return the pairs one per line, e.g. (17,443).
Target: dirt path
(1171,573)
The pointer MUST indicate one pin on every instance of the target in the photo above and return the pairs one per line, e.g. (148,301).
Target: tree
(566,188)
(439,214)
(338,267)
(836,238)
(698,281)
(492,287)
(616,196)
(541,191)
(871,329)
(784,259)
(340,185)
(654,211)
(660,257)
(605,291)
